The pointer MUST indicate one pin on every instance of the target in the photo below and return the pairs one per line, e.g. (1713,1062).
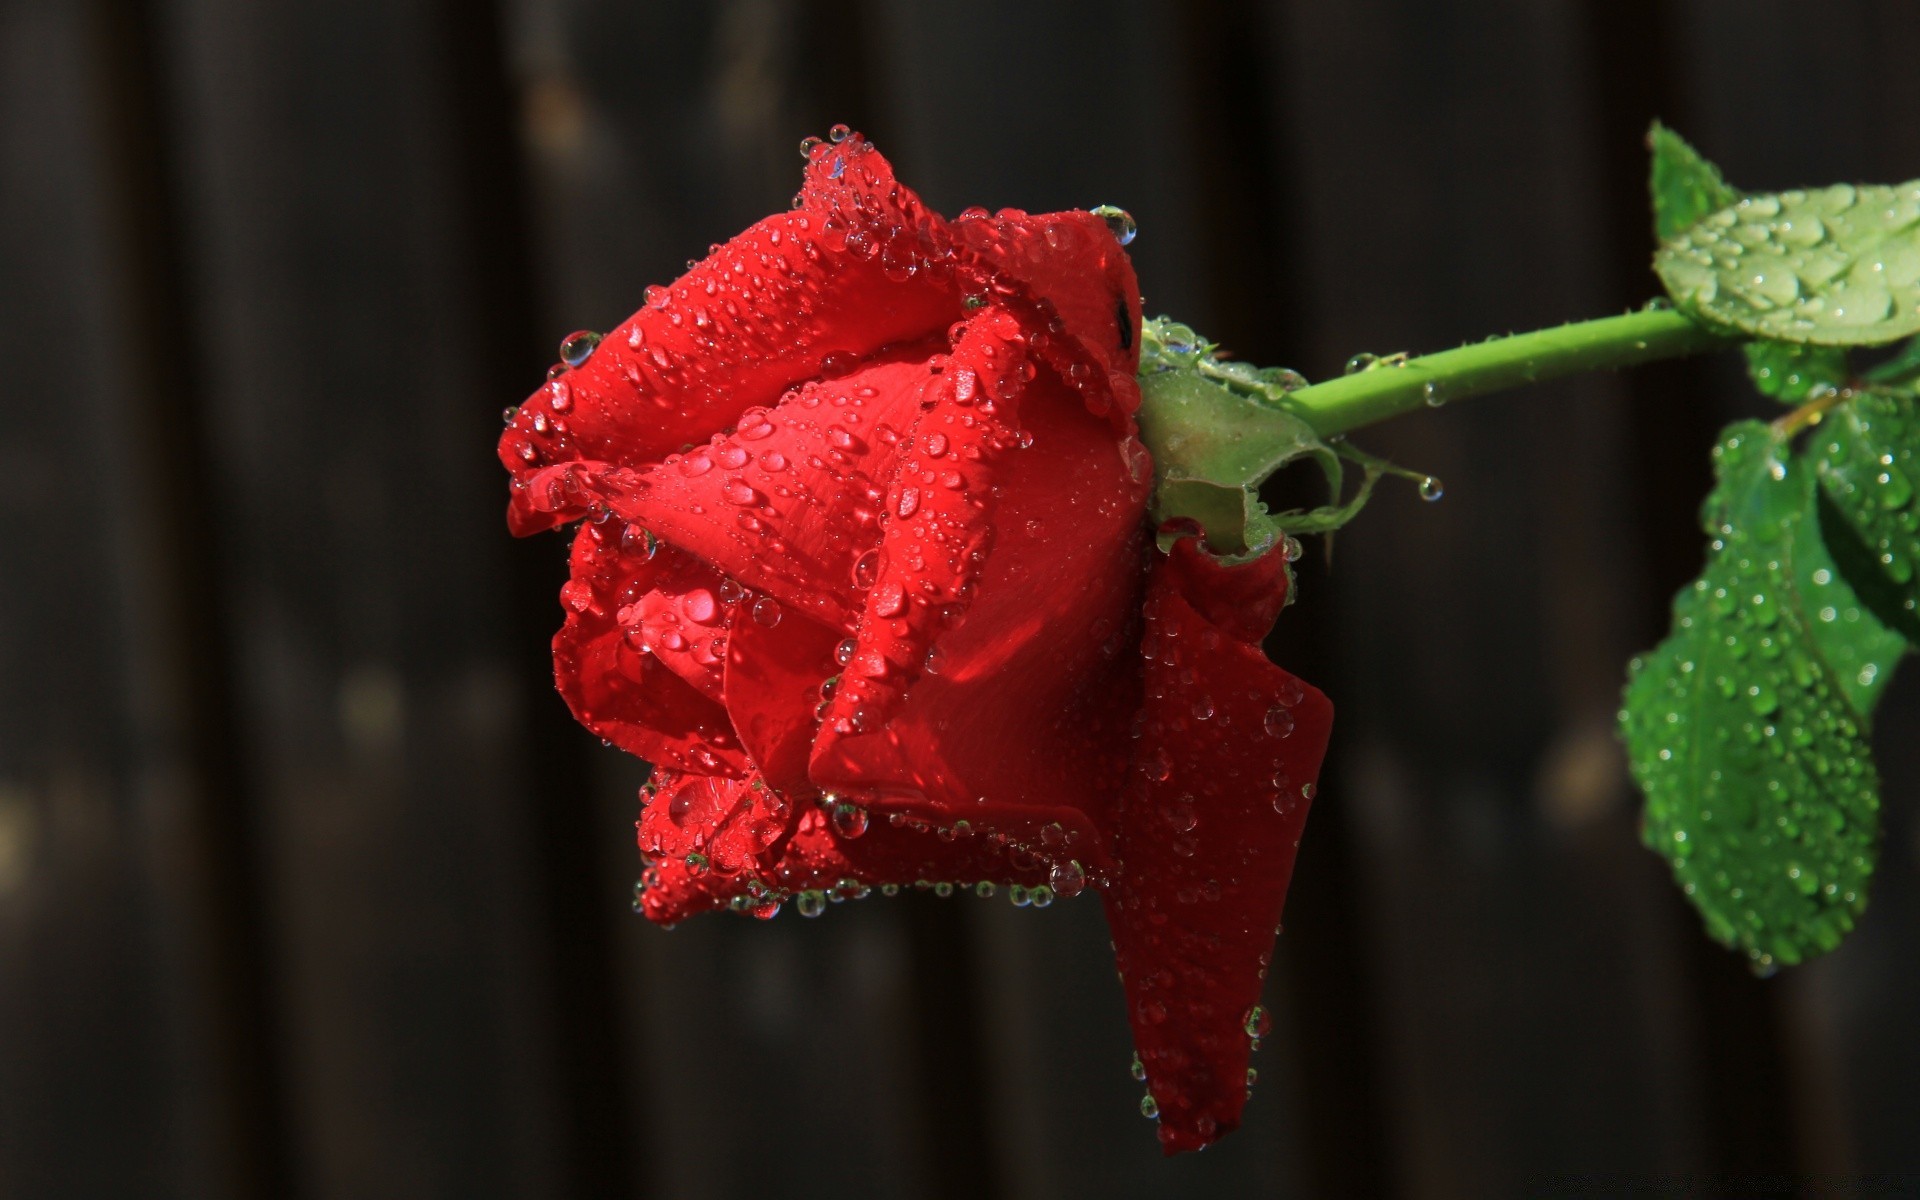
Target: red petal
(773,678)
(1072,261)
(616,689)
(703,839)
(1223,773)
(684,625)
(912,853)
(860,264)
(936,520)
(1024,721)
(711,843)
(789,501)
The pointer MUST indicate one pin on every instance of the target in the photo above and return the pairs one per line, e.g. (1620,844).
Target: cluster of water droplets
(1800,263)
(1759,788)
(1867,467)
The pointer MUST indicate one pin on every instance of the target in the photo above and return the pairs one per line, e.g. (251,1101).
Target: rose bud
(865,570)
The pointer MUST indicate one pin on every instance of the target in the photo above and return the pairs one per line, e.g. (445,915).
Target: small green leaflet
(1685,186)
(1747,727)
(1686,189)
(1866,451)
(1794,374)
(1836,266)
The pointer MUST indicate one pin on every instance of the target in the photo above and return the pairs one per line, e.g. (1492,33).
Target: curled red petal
(615,687)
(858,265)
(910,853)
(1222,777)
(788,502)
(1021,717)
(1073,262)
(704,839)
(936,520)
(776,663)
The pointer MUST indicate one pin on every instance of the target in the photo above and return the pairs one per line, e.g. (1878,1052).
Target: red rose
(865,572)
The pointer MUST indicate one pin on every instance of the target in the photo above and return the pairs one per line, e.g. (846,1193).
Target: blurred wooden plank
(125,1024)
(350,434)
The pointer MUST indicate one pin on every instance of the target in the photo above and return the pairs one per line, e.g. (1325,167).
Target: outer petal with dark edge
(1230,748)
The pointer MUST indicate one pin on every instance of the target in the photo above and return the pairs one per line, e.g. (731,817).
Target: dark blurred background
(310,888)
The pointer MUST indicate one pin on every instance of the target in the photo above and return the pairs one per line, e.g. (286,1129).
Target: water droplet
(1067,878)
(1431,489)
(1139,1069)
(766,611)
(1149,1107)
(849,820)
(578,346)
(1120,221)
(1361,362)
(889,599)
(699,606)
(1258,1022)
(810,904)
(1435,394)
(808,145)
(844,652)
(636,540)
(1279,722)
(839,133)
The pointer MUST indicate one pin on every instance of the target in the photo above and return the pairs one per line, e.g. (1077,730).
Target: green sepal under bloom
(1217,429)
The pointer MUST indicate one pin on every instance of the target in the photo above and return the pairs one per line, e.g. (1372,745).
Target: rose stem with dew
(1391,388)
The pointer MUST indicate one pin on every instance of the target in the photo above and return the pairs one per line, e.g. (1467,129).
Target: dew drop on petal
(1067,878)
(578,346)
(1120,221)
(890,599)
(849,820)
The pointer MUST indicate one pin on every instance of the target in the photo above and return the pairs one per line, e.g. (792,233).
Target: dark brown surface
(308,885)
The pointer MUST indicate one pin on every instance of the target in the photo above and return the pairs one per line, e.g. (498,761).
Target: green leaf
(1685,186)
(1866,452)
(1901,368)
(1792,373)
(1218,428)
(1838,266)
(1747,728)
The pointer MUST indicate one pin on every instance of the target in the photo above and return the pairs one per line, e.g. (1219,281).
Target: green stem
(1391,388)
